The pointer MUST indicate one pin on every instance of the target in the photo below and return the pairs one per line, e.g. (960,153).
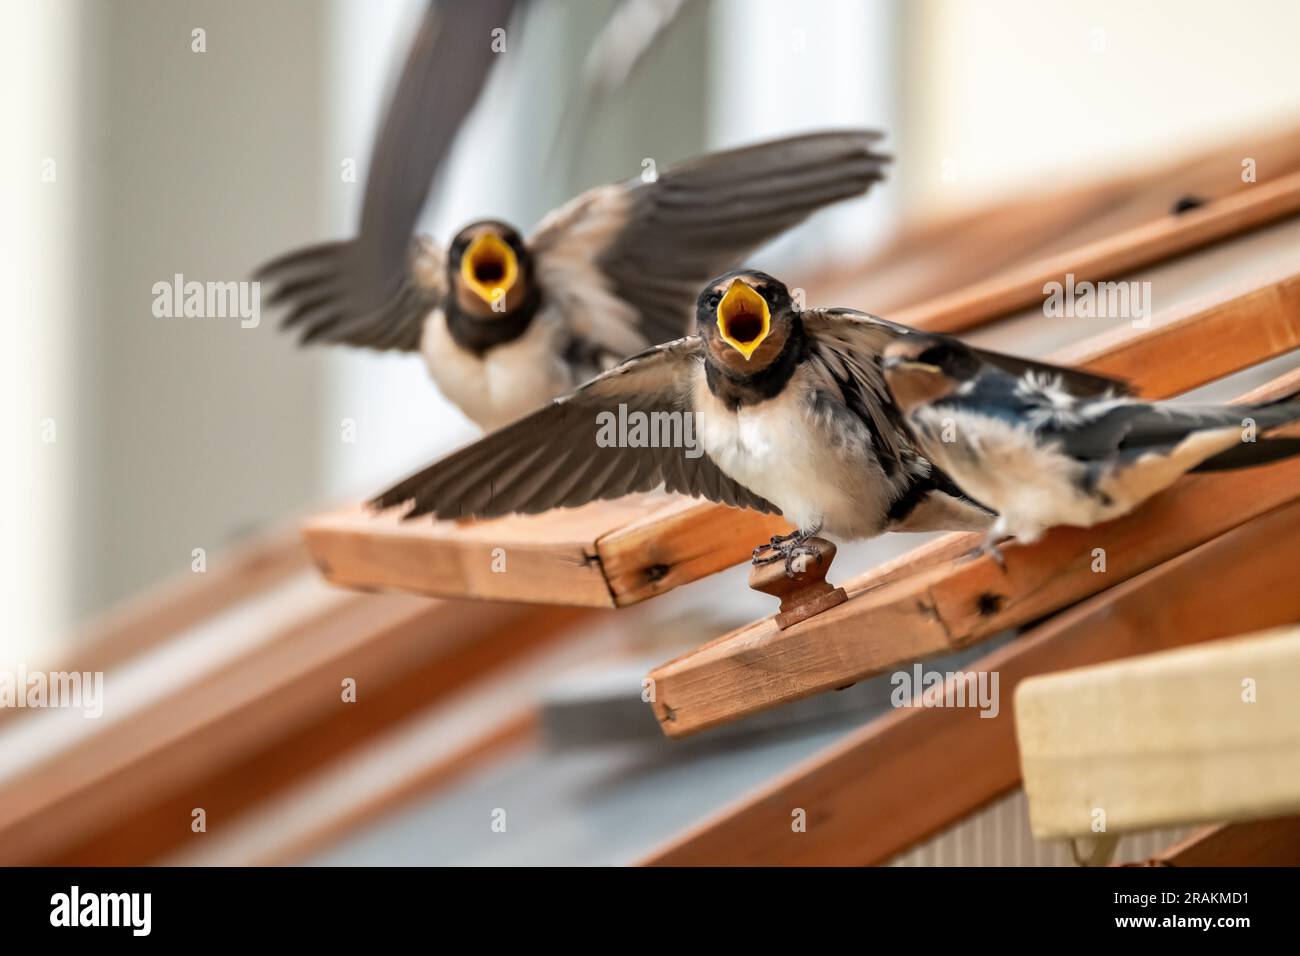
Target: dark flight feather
(551,458)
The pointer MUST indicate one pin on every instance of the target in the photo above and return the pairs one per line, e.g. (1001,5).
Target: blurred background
(130,441)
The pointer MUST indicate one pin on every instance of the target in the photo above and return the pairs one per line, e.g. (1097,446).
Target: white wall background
(40,221)
(1008,95)
(779,68)
(172,434)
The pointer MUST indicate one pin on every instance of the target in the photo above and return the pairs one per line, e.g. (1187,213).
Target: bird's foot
(988,548)
(993,551)
(792,549)
(775,542)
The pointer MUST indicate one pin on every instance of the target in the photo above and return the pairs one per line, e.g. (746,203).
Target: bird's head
(490,268)
(745,319)
(920,369)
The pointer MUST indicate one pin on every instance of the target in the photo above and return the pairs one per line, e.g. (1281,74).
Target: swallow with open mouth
(791,414)
(505,323)
(1040,454)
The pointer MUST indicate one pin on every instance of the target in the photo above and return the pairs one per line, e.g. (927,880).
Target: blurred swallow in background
(506,324)
(633,30)
(1030,447)
(789,410)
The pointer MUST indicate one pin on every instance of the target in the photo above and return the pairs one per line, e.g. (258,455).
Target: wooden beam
(315,817)
(233,574)
(1109,258)
(942,255)
(943,607)
(1164,739)
(912,772)
(606,554)
(1257,843)
(1211,337)
(490,719)
(238,726)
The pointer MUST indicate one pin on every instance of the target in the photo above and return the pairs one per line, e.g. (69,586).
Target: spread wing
(560,455)
(847,346)
(652,245)
(319,286)
(633,30)
(375,290)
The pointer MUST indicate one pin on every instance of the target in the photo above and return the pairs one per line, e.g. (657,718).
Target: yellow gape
(743,318)
(489,267)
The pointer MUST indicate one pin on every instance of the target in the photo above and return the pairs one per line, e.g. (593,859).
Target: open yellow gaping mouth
(743,318)
(489,267)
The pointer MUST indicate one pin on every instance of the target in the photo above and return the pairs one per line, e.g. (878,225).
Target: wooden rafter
(1257,843)
(1110,257)
(122,789)
(935,258)
(912,772)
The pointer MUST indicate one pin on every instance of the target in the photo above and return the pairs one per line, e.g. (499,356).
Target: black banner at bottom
(334,905)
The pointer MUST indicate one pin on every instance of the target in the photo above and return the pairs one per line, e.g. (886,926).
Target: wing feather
(374,291)
(650,246)
(551,458)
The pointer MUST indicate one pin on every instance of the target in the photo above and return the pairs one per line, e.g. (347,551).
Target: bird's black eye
(713,300)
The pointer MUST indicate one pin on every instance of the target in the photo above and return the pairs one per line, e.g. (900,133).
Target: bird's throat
(479,334)
(736,387)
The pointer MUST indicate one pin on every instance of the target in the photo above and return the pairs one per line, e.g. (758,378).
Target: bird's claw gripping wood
(773,543)
(788,548)
(801,585)
(989,548)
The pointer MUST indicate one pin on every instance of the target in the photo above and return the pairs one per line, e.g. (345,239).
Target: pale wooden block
(1165,739)
(603,554)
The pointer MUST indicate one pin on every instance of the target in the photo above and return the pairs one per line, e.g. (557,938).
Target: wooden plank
(486,720)
(942,255)
(1213,336)
(605,554)
(540,556)
(308,833)
(1257,843)
(354,788)
(1110,257)
(142,622)
(166,609)
(1164,739)
(235,729)
(679,543)
(950,605)
(911,773)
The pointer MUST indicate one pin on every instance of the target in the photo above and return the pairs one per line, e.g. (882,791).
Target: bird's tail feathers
(1261,451)
(1251,454)
(327,301)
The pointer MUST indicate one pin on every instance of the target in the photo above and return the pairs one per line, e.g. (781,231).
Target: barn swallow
(1031,448)
(765,407)
(506,324)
